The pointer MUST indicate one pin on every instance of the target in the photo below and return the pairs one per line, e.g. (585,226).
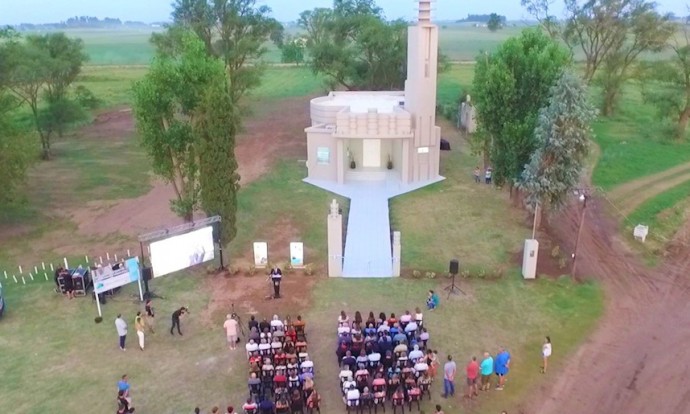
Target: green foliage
(233,30)
(510,87)
(168,104)
(563,132)
(495,22)
(15,152)
(85,98)
(46,66)
(217,125)
(292,50)
(354,47)
(646,31)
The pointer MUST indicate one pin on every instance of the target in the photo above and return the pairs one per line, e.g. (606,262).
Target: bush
(251,270)
(416,274)
(98,319)
(233,270)
(86,98)
(430,275)
(308,270)
(288,268)
(556,252)
(562,263)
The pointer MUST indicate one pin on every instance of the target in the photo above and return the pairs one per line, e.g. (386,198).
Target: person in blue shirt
(432,300)
(501,367)
(123,385)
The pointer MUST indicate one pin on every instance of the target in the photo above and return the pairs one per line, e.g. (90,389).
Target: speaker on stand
(453,270)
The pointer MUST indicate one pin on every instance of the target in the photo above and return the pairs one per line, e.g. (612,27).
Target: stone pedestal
(396,253)
(335,241)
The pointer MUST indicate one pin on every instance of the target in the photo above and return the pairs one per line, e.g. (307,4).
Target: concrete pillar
(340,160)
(396,253)
(335,241)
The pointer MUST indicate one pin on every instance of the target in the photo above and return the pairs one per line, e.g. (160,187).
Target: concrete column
(339,162)
(406,161)
(335,241)
(396,253)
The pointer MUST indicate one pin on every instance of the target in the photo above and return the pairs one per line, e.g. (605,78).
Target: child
(432,300)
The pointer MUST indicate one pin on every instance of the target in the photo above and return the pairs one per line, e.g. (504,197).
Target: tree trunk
(682,123)
(188,217)
(609,105)
(45,148)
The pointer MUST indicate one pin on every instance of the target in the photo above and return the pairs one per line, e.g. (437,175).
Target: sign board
(182,251)
(116,275)
(296,254)
(260,254)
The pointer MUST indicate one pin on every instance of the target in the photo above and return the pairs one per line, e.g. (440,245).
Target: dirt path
(632,194)
(637,360)
(260,144)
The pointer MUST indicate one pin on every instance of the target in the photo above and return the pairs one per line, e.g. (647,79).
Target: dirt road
(638,360)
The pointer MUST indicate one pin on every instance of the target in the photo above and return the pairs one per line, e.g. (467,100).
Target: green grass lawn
(44,370)
(634,143)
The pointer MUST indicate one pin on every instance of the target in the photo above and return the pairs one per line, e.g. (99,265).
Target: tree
(649,32)
(495,22)
(292,50)
(218,124)
(355,47)
(562,136)
(540,10)
(15,149)
(667,83)
(234,30)
(41,70)
(602,30)
(510,86)
(168,105)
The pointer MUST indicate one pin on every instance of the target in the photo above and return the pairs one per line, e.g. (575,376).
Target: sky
(51,11)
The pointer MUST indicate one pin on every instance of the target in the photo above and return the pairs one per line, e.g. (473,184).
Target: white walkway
(368,250)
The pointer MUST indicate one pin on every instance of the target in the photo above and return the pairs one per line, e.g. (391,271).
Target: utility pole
(583,198)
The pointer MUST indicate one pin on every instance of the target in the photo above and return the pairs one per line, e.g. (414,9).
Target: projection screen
(182,251)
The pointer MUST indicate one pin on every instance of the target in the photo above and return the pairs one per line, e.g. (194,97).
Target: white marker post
(20,270)
(31,276)
(100,259)
(86,259)
(43,265)
(115,258)
(46,275)
(66,265)
(36,269)
(107,256)
(5,271)
(98,304)
(15,278)
(23,280)
(51,268)
(128,255)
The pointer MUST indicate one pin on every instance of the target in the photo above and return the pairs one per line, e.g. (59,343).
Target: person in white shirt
(231,327)
(343,330)
(374,358)
(264,347)
(383,327)
(348,384)
(251,347)
(418,316)
(352,396)
(421,367)
(416,354)
(546,353)
(307,364)
(121,327)
(406,318)
(276,323)
(343,319)
(411,327)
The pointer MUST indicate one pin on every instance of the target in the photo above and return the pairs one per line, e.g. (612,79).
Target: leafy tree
(15,149)
(510,86)
(667,83)
(218,124)
(292,50)
(355,47)
(649,32)
(45,66)
(234,30)
(562,136)
(495,22)
(168,105)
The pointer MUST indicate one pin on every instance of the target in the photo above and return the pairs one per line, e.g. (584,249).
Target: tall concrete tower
(420,97)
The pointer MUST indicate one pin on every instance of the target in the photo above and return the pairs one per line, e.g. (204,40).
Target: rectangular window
(323,156)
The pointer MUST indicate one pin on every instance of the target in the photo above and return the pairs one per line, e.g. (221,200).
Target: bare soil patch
(637,341)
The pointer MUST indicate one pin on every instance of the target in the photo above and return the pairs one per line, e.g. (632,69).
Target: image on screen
(183,251)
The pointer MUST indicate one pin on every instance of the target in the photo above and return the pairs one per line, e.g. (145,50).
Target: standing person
(487,175)
(140,325)
(176,319)
(545,353)
(230,327)
(121,327)
(472,377)
(476,175)
(501,367)
(438,409)
(123,385)
(276,278)
(68,283)
(150,315)
(487,368)
(449,377)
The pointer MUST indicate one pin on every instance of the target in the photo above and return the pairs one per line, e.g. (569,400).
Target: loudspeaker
(147,272)
(454,267)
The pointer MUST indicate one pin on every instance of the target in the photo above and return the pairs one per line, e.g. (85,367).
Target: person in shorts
(486,369)
(545,353)
(231,326)
(501,367)
(472,371)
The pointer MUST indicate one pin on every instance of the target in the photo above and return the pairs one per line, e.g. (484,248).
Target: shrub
(288,268)
(562,263)
(98,319)
(251,270)
(308,270)
(233,270)
(481,274)
(465,273)
(416,274)
(430,275)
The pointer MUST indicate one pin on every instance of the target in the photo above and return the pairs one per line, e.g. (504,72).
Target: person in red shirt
(472,378)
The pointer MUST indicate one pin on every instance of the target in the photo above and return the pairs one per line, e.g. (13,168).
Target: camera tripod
(237,317)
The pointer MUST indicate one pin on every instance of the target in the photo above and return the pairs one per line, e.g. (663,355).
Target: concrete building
(372,146)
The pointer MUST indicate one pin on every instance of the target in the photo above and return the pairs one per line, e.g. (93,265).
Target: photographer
(176,319)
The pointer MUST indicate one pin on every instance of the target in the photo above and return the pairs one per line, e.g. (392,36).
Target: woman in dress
(545,353)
